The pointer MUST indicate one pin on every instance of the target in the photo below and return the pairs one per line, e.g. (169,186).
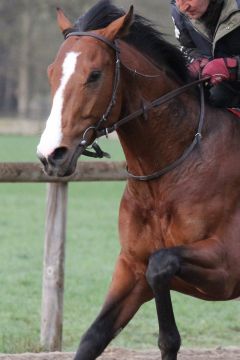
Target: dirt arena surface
(123,354)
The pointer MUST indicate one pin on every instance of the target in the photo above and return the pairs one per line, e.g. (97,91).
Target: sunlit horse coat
(197,40)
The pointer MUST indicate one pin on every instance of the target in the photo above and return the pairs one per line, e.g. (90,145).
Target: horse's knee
(162,266)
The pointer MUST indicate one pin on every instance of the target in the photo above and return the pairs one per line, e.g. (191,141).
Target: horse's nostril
(57,155)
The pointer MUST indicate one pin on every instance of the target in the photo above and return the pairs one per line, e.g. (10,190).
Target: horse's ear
(63,22)
(121,26)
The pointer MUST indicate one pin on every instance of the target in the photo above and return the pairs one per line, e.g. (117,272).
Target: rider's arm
(188,47)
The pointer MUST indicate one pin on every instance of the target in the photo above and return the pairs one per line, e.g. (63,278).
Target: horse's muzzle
(61,162)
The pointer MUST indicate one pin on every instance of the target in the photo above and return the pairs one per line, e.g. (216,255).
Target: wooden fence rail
(86,171)
(55,233)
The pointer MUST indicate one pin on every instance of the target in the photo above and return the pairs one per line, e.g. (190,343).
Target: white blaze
(52,135)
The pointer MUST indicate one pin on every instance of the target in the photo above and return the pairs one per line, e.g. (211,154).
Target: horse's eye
(94,76)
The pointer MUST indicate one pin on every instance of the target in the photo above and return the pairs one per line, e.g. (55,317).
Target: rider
(209,34)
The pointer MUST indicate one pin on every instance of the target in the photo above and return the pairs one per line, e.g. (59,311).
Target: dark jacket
(193,34)
(197,40)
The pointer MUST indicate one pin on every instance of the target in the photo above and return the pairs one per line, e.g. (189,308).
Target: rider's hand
(221,69)
(196,66)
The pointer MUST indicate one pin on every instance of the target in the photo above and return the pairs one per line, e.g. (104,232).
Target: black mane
(143,36)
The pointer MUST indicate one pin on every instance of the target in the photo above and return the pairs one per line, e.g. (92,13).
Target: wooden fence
(55,233)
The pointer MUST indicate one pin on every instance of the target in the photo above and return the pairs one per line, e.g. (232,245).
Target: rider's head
(194,9)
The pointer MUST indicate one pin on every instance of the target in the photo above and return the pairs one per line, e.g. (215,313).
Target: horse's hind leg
(201,265)
(163,265)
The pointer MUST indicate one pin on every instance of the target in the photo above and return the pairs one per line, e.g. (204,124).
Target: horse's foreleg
(163,266)
(127,293)
(200,265)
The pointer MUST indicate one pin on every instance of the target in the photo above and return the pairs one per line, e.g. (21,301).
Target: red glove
(196,66)
(221,69)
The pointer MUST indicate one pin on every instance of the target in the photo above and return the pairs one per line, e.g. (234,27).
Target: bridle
(101,131)
(98,153)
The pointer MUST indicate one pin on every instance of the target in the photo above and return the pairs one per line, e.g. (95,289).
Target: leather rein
(104,131)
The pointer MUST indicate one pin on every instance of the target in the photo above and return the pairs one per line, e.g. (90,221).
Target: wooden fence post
(54,249)
(53,267)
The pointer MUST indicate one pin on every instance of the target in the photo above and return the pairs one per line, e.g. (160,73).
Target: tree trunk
(24,62)
(8,92)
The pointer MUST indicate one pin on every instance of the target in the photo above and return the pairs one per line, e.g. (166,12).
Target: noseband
(99,131)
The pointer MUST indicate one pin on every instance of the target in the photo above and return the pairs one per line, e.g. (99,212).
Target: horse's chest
(140,233)
(148,230)
(169,229)
(186,229)
(191,222)
(148,226)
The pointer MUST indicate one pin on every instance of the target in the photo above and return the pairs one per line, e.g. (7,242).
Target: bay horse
(179,215)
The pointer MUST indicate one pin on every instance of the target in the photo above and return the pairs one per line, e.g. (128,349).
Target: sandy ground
(123,354)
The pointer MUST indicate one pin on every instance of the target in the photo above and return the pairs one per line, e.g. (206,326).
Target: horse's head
(82,79)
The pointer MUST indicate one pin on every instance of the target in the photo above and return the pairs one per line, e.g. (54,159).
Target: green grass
(91,251)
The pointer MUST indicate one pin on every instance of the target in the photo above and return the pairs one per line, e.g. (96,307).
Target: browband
(94,35)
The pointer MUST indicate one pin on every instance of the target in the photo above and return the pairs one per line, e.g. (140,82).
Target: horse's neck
(155,141)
